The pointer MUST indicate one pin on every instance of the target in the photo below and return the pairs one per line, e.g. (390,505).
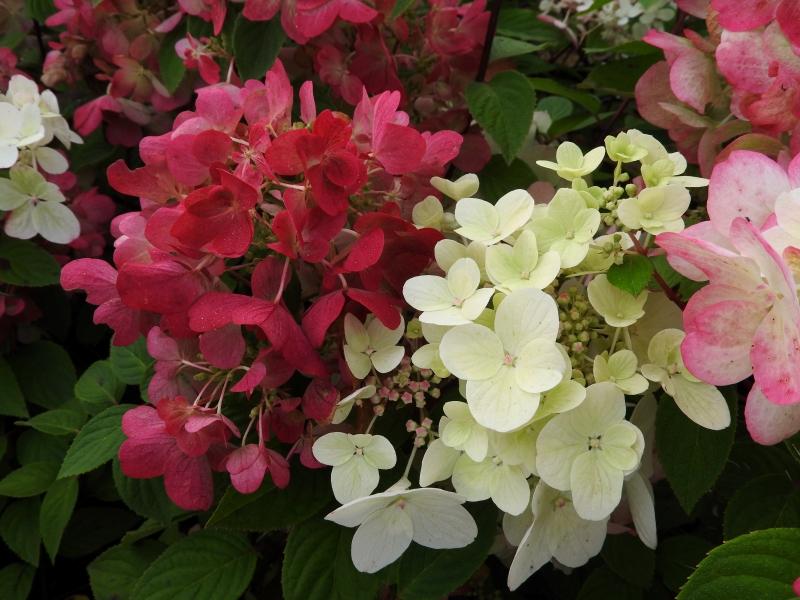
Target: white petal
(478,220)
(557,447)
(463,278)
(516,526)
(354,479)
(358,362)
(51,161)
(8,154)
(514,209)
(565,396)
(523,316)
(582,541)
(440,522)
(701,402)
(345,405)
(428,292)
(640,502)
(498,403)
(437,463)
(381,336)
(381,539)
(473,480)
(500,263)
(387,359)
(539,366)
(533,553)
(471,352)
(355,334)
(380,453)
(10,195)
(55,222)
(447,252)
(333,449)
(596,486)
(473,306)
(510,491)
(19,224)
(356,512)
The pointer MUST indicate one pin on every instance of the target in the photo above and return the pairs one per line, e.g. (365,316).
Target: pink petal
(223,347)
(769,423)
(319,399)
(146,458)
(717,264)
(321,316)
(365,251)
(96,277)
(253,377)
(216,309)
(188,482)
(733,17)
(164,287)
(382,306)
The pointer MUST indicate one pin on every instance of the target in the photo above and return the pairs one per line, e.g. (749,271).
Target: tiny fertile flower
(566,226)
(559,532)
(656,209)
(465,186)
(619,369)
(356,460)
(589,450)
(507,369)
(571,162)
(481,221)
(455,300)
(389,521)
(701,402)
(520,266)
(371,345)
(37,206)
(616,306)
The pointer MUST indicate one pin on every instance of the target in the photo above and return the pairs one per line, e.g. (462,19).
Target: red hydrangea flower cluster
(742,79)
(255,235)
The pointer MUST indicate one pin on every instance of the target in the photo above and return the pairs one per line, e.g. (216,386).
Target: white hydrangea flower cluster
(29,122)
(549,355)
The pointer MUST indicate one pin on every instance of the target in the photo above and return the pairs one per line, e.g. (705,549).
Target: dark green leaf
(678,556)
(522,23)
(272,508)
(39,10)
(692,457)
(207,565)
(94,150)
(99,386)
(24,263)
(171,69)
(131,363)
(506,47)
(427,574)
(498,178)
(29,480)
(629,558)
(92,528)
(57,507)
(602,583)
(400,7)
(550,86)
(620,76)
(632,275)
(256,45)
(19,528)
(317,565)
(576,123)
(34,446)
(504,108)
(60,421)
(11,401)
(763,564)
(28,364)
(113,574)
(556,107)
(769,501)
(16,581)
(145,497)
(96,443)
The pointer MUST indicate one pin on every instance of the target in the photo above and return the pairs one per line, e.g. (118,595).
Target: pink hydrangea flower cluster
(256,235)
(746,321)
(740,80)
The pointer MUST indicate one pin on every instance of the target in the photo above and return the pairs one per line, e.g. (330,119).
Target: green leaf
(96,443)
(99,386)
(60,421)
(556,107)
(692,457)
(522,23)
(317,565)
(94,150)
(11,401)
(256,45)
(678,556)
(629,558)
(602,584)
(57,507)
(632,275)
(426,574)
(550,86)
(16,581)
(498,178)
(765,502)
(400,7)
(207,565)
(171,69)
(24,263)
(29,480)
(113,574)
(762,564)
(131,363)
(506,47)
(504,108)
(271,508)
(19,528)
(92,528)
(28,364)
(145,497)
(619,77)
(576,123)
(39,10)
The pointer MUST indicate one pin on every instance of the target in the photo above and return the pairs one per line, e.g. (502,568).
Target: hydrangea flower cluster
(740,80)
(29,122)
(263,248)
(746,321)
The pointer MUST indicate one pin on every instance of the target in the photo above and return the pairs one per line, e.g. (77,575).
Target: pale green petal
(557,447)
(456,433)
(428,292)
(516,526)
(501,265)
(600,368)
(701,402)
(596,486)
(565,396)
(358,362)
(510,491)
(11,197)
(428,213)
(355,334)
(381,539)
(447,317)
(448,252)
(604,407)
(539,366)
(593,159)
(20,223)
(663,345)
(533,553)
(633,385)
(463,278)
(514,210)
(333,449)
(477,444)
(639,493)
(380,453)
(356,512)
(622,364)
(526,315)
(473,306)
(478,219)
(618,308)
(569,155)
(440,521)
(546,270)
(354,479)
(381,336)
(434,333)
(471,352)
(51,161)
(621,459)
(386,359)
(345,405)
(427,357)
(463,187)
(473,479)
(548,231)
(437,463)
(498,402)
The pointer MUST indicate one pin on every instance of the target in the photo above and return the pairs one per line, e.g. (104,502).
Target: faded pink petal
(223,347)
(188,482)
(736,17)
(769,423)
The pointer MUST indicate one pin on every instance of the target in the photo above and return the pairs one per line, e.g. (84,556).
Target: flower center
(595,442)
(508,360)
